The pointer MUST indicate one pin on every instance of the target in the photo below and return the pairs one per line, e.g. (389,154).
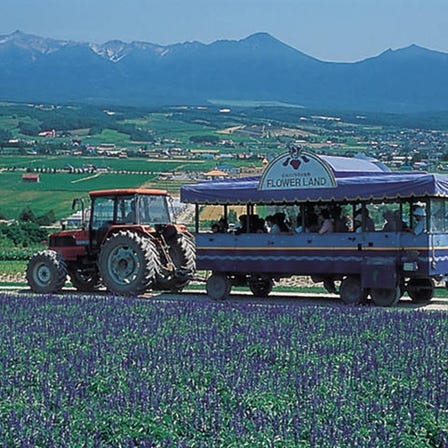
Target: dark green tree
(27,215)
(29,128)
(47,219)
(213,139)
(5,135)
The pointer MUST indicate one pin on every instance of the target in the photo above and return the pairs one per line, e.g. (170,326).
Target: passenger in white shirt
(419,214)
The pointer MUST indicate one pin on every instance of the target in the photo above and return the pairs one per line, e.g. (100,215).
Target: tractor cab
(114,210)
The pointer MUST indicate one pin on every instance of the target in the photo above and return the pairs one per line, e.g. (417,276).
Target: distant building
(30,177)
(51,133)
(106,146)
(216,174)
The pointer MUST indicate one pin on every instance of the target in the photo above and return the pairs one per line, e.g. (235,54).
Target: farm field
(56,191)
(106,371)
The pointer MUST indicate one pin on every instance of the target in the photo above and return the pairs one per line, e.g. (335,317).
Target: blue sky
(332,30)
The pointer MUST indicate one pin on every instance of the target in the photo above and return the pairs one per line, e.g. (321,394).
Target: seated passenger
(357,223)
(280,220)
(223,226)
(242,228)
(215,228)
(390,224)
(255,224)
(327,224)
(311,222)
(400,224)
(299,226)
(260,225)
(130,218)
(272,225)
(341,223)
(369,225)
(363,222)
(419,214)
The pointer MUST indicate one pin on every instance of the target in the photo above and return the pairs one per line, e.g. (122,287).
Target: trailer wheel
(218,286)
(85,280)
(420,290)
(127,263)
(385,296)
(260,286)
(352,292)
(46,272)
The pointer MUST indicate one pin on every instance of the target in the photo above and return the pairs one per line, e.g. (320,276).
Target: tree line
(32,120)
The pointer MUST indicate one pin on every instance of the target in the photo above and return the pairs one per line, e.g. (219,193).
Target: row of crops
(105,371)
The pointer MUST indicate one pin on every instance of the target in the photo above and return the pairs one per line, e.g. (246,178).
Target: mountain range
(258,68)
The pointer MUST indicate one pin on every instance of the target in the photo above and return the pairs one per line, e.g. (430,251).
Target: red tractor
(130,246)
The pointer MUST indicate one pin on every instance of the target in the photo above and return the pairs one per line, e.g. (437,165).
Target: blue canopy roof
(356,179)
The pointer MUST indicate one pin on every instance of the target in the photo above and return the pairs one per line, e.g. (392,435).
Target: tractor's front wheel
(46,272)
(127,263)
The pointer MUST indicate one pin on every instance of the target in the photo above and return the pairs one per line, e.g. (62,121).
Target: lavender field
(112,372)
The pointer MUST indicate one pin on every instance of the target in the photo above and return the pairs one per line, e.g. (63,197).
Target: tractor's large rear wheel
(46,272)
(127,263)
(183,256)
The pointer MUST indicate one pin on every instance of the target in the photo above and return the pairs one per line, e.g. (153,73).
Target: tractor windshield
(102,212)
(153,210)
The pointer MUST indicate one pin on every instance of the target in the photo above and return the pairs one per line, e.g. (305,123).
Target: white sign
(297,169)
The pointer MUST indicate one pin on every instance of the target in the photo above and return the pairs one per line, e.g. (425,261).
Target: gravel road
(297,299)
